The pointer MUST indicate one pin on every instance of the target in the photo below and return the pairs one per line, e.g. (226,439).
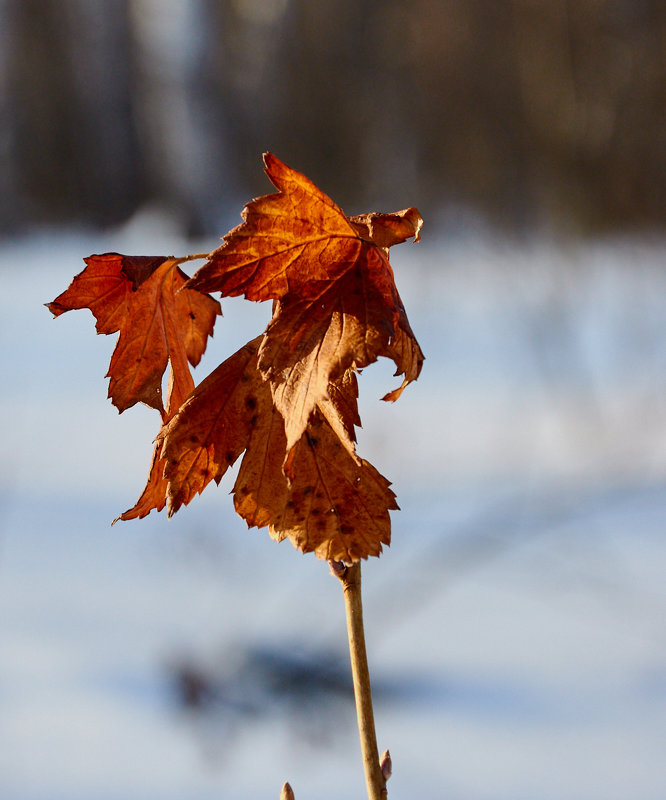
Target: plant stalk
(192,257)
(350,577)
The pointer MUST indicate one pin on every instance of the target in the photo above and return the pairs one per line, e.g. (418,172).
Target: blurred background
(517,625)
(547,114)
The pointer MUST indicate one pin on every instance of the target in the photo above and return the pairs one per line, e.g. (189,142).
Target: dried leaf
(287,401)
(338,307)
(214,425)
(143,298)
(385,230)
(324,498)
(287,240)
(209,432)
(333,505)
(310,343)
(287,792)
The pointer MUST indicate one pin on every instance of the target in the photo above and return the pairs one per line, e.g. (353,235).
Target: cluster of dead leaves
(287,399)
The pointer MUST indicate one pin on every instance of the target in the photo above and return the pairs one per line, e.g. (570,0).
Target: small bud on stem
(386,764)
(338,568)
(287,792)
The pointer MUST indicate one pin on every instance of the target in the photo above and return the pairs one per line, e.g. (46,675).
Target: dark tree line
(535,112)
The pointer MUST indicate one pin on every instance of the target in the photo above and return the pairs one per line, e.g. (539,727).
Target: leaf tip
(269,160)
(415,218)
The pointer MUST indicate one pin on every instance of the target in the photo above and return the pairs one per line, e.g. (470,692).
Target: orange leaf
(310,343)
(214,425)
(295,237)
(324,498)
(288,399)
(143,298)
(385,230)
(338,306)
(207,434)
(340,410)
(288,239)
(333,505)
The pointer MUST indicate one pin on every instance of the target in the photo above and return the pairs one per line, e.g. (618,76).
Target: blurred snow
(519,612)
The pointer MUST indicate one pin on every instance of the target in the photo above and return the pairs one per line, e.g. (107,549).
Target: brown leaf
(288,239)
(295,237)
(340,410)
(385,230)
(337,303)
(324,498)
(207,434)
(287,400)
(214,425)
(310,343)
(143,298)
(333,505)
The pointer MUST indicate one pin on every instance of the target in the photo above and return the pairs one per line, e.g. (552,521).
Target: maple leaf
(209,432)
(214,425)
(287,401)
(159,321)
(337,303)
(310,343)
(328,502)
(324,498)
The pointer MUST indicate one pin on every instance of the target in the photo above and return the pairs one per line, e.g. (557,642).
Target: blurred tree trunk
(537,113)
(69,133)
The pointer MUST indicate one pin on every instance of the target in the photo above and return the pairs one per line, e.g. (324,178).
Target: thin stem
(350,577)
(192,257)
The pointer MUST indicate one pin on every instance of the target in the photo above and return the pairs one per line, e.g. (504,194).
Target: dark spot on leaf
(229,456)
(245,377)
(254,419)
(251,402)
(307,490)
(313,441)
(194,439)
(192,315)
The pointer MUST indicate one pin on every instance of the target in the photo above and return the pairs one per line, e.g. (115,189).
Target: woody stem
(350,577)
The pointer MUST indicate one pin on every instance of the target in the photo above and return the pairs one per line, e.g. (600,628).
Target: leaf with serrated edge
(337,303)
(334,505)
(143,298)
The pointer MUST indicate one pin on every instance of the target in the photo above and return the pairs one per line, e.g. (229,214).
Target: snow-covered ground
(517,623)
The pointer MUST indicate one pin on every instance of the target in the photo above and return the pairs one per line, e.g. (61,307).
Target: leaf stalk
(191,257)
